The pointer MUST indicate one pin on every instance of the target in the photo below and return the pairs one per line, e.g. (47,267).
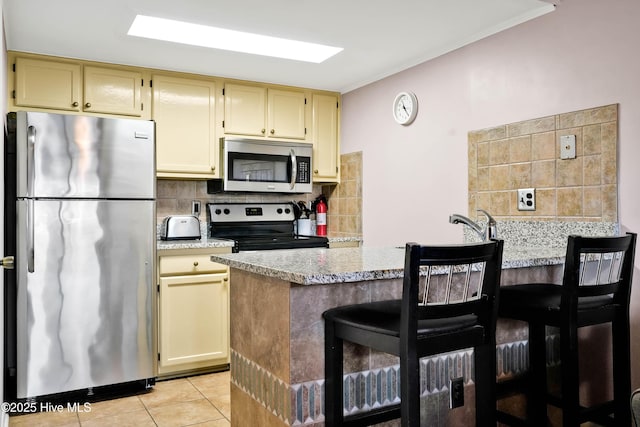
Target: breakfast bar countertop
(342,265)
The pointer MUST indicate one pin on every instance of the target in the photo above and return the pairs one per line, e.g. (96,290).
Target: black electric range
(258,226)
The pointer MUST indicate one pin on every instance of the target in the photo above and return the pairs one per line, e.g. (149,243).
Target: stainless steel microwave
(263,166)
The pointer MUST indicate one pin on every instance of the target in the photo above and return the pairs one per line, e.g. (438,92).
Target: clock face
(405,108)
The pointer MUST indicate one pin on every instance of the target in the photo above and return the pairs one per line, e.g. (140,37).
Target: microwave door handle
(294,169)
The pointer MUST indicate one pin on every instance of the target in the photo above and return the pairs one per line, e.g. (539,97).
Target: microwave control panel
(304,170)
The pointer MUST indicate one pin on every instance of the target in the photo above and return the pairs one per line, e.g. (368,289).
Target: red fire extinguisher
(321,216)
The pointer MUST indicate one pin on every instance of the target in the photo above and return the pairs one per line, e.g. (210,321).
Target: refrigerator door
(67,156)
(86,294)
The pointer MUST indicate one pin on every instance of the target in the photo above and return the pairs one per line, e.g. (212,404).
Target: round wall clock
(405,107)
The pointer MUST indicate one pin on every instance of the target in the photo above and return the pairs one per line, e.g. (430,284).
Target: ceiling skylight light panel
(237,41)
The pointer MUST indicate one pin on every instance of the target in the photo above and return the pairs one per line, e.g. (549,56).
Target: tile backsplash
(174,197)
(344,217)
(526,154)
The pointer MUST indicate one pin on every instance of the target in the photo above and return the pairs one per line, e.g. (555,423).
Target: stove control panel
(250,212)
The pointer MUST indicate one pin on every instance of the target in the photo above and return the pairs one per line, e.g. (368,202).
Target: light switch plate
(568,147)
(527,199)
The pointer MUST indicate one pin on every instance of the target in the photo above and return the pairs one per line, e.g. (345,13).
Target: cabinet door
(244,110)
(194,320)
(286,113)
(184,112)
(47,84)
(326,149)
(112,91)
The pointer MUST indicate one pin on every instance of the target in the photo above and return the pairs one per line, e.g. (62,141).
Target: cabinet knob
(273,131)
(195,263)
(75,104)
(315,171)
(213,168)
(87,105)
(8,263)
(263,130)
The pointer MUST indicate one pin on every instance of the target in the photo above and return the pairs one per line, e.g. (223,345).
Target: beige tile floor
(201,401)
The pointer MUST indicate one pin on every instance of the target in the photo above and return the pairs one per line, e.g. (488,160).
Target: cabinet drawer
(189,264)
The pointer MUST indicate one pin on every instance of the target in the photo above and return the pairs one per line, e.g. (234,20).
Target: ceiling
(379,37)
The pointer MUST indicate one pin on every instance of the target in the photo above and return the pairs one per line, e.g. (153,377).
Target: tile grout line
(209,400)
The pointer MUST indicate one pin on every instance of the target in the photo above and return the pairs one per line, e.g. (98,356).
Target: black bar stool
(595,289)
(454,307)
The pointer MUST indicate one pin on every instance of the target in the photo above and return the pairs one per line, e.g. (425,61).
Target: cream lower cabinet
(193,327)
(185,112)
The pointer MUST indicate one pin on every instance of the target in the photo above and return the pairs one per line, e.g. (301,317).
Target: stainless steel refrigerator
(85,238)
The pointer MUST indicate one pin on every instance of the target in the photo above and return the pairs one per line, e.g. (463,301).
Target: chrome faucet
(490,231)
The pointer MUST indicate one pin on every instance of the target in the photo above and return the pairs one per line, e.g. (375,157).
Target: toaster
(180,227)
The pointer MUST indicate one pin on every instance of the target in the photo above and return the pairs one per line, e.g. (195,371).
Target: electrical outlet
(527,199)
(456,392)
(567,147)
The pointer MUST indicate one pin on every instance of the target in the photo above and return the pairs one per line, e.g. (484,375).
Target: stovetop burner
(258,226)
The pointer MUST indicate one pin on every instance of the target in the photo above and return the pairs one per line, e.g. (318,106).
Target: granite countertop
(344,239)
(202,243)
(340,265)
(206,242)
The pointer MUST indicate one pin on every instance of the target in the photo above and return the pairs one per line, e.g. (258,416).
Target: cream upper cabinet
(112,91)
(264,112)
(245,110)
(325,129)
(68,86)
(184,111)
(191,112)
(285,114)
(47,84)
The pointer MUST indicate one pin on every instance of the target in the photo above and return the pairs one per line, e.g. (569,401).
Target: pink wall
(584,54)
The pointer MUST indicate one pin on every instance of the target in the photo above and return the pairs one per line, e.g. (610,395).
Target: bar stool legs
(537,395)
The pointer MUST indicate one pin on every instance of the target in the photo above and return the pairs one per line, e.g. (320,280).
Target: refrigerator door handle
(30,236)
(31,166)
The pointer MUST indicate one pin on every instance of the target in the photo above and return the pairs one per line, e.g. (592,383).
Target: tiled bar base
(277,341)
(303,404)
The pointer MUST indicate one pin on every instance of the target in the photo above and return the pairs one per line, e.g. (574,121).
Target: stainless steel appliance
(180,227)
(264,166)
(258,226)
(83,209)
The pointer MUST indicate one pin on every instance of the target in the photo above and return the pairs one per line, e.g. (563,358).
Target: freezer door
(67,156)
(85,294)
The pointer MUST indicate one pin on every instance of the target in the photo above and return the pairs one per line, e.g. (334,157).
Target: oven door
(266,166)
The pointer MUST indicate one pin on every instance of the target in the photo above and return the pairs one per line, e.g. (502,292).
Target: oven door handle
(294,169)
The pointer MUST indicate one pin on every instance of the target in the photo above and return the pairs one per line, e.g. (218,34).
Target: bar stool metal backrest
(597,271)
(448,282)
